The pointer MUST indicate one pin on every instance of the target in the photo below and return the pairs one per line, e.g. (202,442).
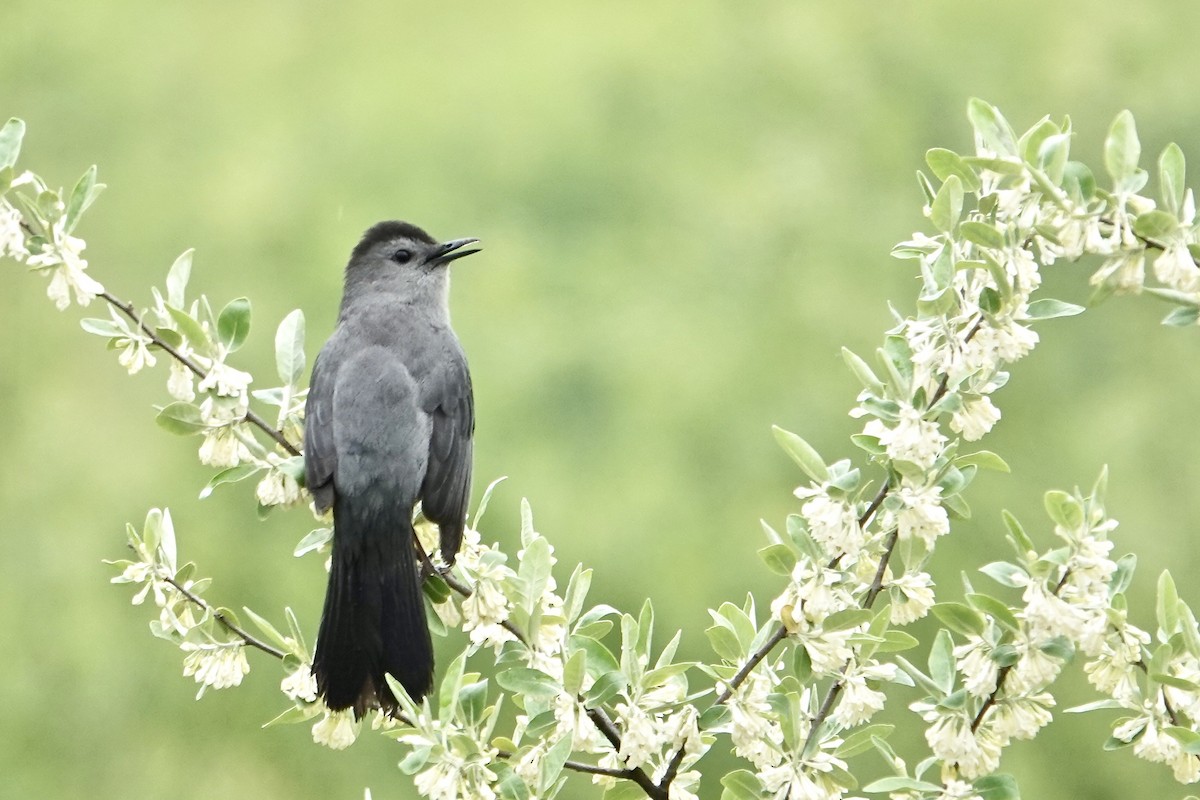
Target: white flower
(337,730)
(61,256)
(832,523)
(913,439)
(225,380)
(975,418)
(278,488)
(912,597)
(222,448)
(806,779)
(12,237)
(300,685)
(217,665)
(685,786)
(755,736)
(952,741)
(958,790)
(1021,717)
(179,383)
(977,666)
(923,515)
(639,735)
(814,591)
(484,611)
(1176,268)
(1125,271)
(135,355)
(1035,669)
(453,777)
(859,701)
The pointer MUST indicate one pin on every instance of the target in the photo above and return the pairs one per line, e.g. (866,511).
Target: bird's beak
(448,251)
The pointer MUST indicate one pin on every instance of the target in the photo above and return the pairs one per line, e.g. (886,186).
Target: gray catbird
(389,421)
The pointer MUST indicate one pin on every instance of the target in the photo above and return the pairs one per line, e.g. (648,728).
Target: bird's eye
(402,256)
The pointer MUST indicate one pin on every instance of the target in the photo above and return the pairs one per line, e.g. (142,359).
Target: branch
(225,622)
(252,416)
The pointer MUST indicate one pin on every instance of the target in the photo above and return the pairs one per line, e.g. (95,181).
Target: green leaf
(993,129)
(1124,574)
(1049,308)
(845,619)
(1171,173)
(982,233)
(233,324)
(994,608)
(292,716)
(941,661)
(945,163)
(436,588)
(599,658)
(860,740)
(742,784)
(1079,181)
(947,205)
(1167,605)
(606,687)
(899,783)
(1182,317)
(230,475)
(802,453)
(10,141)
(1006,574)
(552,765)
(990,300)
(724,642)
(997,787)
(528,681)
(983,459)
(483,501)
(189,327)
(1020,539)
(1122,150)
(862,371)
(82,196)
(181,418)
(267,628)
(1063,509)
(1155,224)
(574,671)
(104,327)
(1052,156)
(960,618)
(895,641)
(177,278)
(289,348)
(315,540)
(779,558)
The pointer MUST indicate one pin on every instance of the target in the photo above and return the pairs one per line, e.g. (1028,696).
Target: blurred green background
(687,210)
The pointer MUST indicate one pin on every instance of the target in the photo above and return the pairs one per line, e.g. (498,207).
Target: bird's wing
(448,401)
(320,455)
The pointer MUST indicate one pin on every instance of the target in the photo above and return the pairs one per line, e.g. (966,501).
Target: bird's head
(402,262)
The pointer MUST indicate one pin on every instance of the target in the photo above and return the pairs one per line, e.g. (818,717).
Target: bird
(389,422)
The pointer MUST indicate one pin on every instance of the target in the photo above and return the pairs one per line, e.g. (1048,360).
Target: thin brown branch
(252,416)
(579,766)
(225,622)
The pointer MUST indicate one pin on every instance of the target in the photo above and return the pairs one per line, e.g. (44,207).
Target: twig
(225,621)
(252,416)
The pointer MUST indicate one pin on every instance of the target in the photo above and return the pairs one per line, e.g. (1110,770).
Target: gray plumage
(389,420)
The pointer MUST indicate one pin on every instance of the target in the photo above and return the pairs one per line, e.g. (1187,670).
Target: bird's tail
(374,617)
